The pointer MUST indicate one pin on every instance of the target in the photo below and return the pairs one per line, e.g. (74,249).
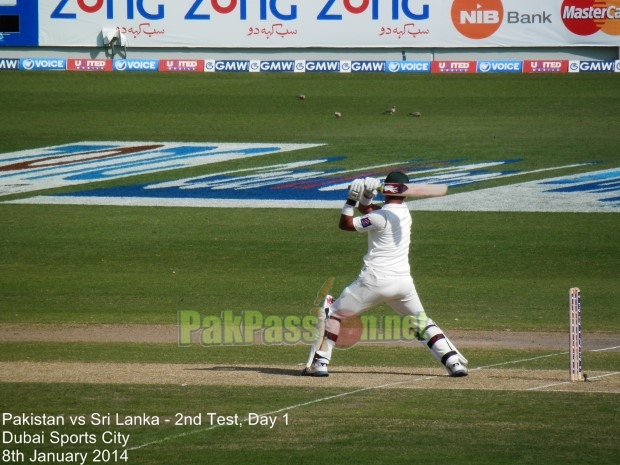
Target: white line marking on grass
(613,373)
(518,361)
(570,382)
(547,356)
(606,348)
(356,391)
(548,385)
(283,409)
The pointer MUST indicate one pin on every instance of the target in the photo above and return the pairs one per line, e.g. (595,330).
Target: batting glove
(355,190)
(370,190)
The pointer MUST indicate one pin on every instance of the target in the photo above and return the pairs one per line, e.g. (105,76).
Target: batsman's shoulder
(365,209)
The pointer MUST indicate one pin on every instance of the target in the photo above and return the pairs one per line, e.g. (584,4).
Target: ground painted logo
(597,191)
(317,183)
(86,162)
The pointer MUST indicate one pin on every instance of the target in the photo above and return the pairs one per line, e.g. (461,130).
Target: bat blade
(414,190)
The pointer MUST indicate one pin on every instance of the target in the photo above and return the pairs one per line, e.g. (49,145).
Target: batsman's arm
(346,219)
(348,210)
(361,193)
(346,216)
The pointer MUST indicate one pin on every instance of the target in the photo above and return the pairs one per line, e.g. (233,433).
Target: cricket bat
(414,190)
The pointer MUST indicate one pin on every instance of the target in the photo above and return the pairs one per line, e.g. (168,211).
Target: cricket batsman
(385,277)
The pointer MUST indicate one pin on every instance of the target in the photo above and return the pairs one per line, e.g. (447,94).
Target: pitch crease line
(570,382)
(356,391)
(605,348)
(283,409)
(518,361)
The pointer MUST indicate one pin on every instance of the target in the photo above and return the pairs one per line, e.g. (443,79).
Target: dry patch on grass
(276,375)
(169,334)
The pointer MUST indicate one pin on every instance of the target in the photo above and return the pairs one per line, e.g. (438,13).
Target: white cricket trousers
(369,290)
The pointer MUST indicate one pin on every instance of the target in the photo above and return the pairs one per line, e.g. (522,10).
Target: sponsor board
(9,64)
(408,66)
(228,66)
(598,66)
(272,66)
(87,162)
(136,65)
(321,66)
(43,64)
(89,65)
(505,66)
(368,66)
(453,67)
(19,23)
(587,17)
(545,66)
(181,65)
(477,19)
(303,66)
(483,20)
(290,24)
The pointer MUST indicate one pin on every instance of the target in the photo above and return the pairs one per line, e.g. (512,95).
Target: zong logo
(477,19)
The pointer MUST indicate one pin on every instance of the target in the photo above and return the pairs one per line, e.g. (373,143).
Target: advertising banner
(19,23)
(321,23)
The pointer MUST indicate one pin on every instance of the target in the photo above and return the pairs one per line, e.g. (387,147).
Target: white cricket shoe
(317,369)
(456,367)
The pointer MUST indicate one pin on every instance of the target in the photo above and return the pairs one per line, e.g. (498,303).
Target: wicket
(574,310)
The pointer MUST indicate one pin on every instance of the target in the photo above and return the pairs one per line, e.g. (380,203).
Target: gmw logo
(477,19)
(232,65)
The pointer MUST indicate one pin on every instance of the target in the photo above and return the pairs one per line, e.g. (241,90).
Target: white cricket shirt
(389,236)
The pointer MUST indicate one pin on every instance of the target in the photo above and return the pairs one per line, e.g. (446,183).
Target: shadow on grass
(297,371)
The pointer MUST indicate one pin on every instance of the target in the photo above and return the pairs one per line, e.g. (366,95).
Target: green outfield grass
(402,427)
(544,118)
(491,271)
(394,426)
(143,265)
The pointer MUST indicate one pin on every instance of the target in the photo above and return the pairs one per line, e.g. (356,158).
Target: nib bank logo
(587,17)
(477,19)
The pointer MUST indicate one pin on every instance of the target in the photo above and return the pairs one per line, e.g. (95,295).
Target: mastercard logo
(587,17)
(477,19)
